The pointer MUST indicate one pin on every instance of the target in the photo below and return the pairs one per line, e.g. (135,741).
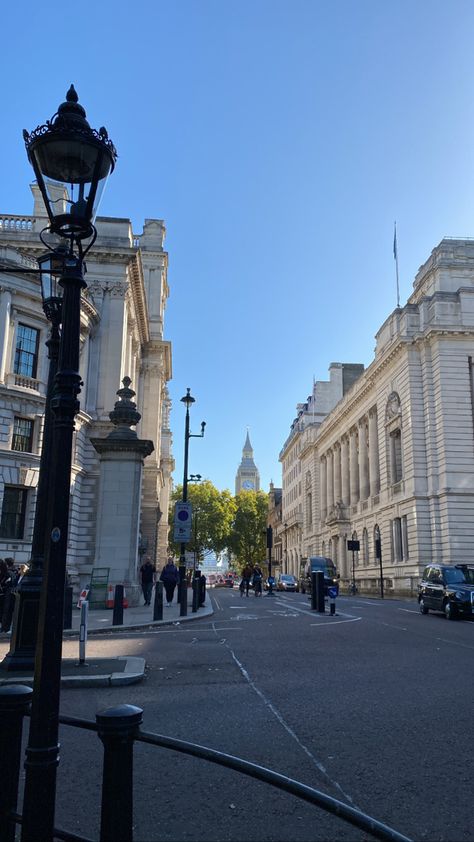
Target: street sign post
(183,516)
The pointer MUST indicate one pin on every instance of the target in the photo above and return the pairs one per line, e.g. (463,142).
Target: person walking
(6,587)
(170,577)
(257,580)
(147,579)
(246,576)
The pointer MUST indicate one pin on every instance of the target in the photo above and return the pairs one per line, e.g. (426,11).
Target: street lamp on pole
(72,163)
(188,400)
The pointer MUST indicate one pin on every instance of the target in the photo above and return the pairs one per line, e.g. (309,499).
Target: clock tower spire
(248,477)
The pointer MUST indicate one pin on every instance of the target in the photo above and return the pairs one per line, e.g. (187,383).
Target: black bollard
(117,729)
(158,603)
(196,593)
(14,703)
(67,623)
(117,619)
(320,591)
(183,596)
(202,591)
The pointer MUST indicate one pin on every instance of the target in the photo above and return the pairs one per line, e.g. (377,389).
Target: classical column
(353,449)
(374,453)
(363,461)
(330,479)
(337,473)
(345,470)
(322,488)
(5,315)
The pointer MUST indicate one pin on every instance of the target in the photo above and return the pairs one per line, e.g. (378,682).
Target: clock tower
(248,478)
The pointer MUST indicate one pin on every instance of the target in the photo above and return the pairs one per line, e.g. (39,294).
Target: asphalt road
(372,706)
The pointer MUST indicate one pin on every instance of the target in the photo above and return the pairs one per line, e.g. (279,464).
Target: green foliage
(247,540)
(213,515)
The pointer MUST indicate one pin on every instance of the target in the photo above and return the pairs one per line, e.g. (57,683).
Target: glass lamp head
(72,163)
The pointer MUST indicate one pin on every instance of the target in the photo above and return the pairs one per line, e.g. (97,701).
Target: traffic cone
(109,602)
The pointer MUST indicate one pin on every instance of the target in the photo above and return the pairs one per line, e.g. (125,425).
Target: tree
(248,537)
(213,515)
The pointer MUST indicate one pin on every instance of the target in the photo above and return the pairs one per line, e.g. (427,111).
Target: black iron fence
(118,729)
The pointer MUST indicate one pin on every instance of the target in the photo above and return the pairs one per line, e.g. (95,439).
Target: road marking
(214,599)
(276,713)
(455,643)
(408,610)
(389,625)
(336,622)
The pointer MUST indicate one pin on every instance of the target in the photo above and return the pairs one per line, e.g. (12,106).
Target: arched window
(377,543)
(393,427)
(365,547)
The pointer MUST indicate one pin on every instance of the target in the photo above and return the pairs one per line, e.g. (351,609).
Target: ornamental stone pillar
(345,485)
(118,515)
(5,316)
(354,467)
(337,473)
(374,453)
(330,480)
(363,461)
(322,488)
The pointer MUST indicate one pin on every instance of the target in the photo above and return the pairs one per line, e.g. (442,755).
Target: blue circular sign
(332,593)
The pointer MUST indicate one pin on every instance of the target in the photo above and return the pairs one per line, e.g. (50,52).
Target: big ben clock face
(248,485)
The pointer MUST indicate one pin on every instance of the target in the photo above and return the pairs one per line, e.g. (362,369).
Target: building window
(22,434)
(12,524)
(397,550)
(377,543)
(26,351)
(396,456)
(365,547)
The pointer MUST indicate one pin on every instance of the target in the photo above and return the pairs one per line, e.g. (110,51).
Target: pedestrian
(257,580)
(6,586)
(246,576)
(147,579)
(169,576)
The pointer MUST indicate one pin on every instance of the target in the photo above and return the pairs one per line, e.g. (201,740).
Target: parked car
(314,565)
(448,588)
(286,582)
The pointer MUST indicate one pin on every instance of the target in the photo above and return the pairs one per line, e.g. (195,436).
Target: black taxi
(448,588)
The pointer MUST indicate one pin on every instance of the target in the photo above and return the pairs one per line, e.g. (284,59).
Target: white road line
(276,713)
(336,622)
(408,610)
(455,643)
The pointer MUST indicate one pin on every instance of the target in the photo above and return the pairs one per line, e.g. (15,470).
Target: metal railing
(118,729)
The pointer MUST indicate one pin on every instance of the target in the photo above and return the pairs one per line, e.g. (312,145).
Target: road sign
(332,593)
(183,513)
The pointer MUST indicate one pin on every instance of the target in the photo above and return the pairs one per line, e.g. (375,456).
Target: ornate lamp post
(188,400)
(72,163)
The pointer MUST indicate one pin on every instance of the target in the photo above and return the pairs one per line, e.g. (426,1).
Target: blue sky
(279,142)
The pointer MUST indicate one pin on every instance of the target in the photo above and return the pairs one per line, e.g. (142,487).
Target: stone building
(275,521)
(293,456)
(394,460)
(248,477)
(122,315)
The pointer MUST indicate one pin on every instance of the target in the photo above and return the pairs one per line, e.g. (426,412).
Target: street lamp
(188,400)
(71,163)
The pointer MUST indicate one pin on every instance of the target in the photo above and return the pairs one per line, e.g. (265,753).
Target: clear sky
(279,142)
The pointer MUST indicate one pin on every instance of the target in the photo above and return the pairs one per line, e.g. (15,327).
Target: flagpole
(395,254)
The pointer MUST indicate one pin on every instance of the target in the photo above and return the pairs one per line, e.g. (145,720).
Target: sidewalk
(105,672)
(141,615)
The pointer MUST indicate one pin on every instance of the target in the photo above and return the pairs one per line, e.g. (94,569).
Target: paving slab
(95,672)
